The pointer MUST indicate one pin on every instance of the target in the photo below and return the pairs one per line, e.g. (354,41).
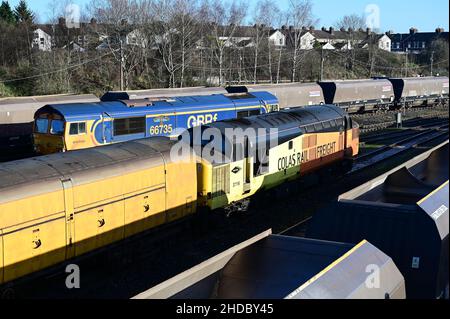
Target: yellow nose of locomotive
(48,144)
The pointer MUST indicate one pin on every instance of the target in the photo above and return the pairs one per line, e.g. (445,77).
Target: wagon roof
(116,159)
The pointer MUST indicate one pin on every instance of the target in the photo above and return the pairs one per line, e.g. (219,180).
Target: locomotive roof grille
(240,96)
(146,102)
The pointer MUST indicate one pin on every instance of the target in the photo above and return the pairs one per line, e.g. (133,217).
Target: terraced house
(416,42)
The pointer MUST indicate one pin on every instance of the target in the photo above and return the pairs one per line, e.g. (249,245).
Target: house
(382,41)
(305,38)
(348,37)
(232,36)
(328,46)
(136,37)
(74,47)
(331,39)
(415,42)
(132,37)
(307,41)
(42,41)
(277,38)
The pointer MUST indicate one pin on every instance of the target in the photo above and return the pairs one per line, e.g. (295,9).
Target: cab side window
(77,128)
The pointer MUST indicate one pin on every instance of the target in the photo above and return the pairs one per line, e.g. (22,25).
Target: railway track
(124,269)
(408,130)
(370,123)
(391,150)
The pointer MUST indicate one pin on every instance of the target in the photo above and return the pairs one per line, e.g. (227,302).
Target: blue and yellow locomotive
(64,127)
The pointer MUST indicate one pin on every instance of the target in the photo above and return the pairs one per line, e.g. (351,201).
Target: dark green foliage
(6,14)
(23,14)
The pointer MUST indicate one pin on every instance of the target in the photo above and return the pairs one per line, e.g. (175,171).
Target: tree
(23,14)
(438,53)
(299,16)
(353,21)
(6,14)
(122,31)
(224,20)
(165,37)
(267,15)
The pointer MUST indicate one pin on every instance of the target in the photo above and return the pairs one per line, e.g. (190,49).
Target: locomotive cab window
(129,126)
(41,125)
(291,145)
(77,128)
(57,127)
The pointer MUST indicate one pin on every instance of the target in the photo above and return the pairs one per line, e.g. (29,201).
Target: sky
(396,15)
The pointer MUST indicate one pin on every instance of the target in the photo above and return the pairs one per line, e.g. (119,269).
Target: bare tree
(299,15)
(353,24)
(165,36)
(224,19)
(121,31)
(353,21)
(267,15)
(186,23)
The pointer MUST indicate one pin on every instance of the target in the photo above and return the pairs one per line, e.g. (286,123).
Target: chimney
(283,27)
(304,29)
(311,28)
(324,29)
(331,30)
(350,30)
(412,30)
(93,21)
(368,31)
(291,28)
(439,30)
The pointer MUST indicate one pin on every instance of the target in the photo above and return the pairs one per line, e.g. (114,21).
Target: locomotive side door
(247,166)
(70,218)
(347,131)
(107,123)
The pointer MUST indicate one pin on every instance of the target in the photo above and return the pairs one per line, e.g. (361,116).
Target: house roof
(374,38)
(244,43)
(338,35)
(340,45)
(273,31)
(418,36)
